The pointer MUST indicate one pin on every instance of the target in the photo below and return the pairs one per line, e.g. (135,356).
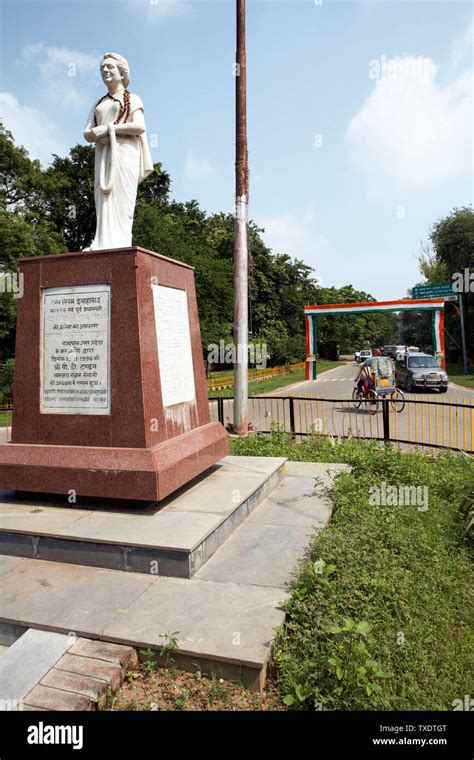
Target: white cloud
(412,131)
(31,128)
(64,74)
(295,233)
(158,10)
(197,168)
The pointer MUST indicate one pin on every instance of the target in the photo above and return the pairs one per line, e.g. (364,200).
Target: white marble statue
(122,157)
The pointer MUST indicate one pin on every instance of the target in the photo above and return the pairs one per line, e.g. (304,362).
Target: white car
(365,354)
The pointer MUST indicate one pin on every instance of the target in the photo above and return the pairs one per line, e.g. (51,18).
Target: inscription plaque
(174,345)
(75,350)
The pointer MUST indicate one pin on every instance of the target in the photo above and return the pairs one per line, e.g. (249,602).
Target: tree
(20,177)
(451,252)
(354,331)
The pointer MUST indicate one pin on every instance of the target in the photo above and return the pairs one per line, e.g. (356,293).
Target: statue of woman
(122,156)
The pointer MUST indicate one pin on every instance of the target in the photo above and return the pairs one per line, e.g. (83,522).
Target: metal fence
(425,420)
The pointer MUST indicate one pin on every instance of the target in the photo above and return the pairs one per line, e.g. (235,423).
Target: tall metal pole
(463,335)
(240,232)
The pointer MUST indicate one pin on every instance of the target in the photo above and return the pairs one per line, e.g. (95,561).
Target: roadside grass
(381,613)
(456,376)
(273,383)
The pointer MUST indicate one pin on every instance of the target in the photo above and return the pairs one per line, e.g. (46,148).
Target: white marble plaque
(75,350)
(174,345)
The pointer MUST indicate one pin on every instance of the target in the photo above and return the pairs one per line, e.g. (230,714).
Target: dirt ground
(152,688)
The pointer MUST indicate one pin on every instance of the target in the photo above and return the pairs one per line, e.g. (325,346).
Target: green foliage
(394,614)
(451,251)
(49,211)
(355,331)
(149,661)
(170,646)
(467,510)
(6,380)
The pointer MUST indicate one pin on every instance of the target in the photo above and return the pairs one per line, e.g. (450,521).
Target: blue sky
(360,113)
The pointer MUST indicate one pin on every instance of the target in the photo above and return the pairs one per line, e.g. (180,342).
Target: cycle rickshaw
(382,385)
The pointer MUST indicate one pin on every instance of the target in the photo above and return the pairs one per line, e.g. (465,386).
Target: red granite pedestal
(150,433)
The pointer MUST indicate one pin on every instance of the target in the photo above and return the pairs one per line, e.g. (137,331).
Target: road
(325,405)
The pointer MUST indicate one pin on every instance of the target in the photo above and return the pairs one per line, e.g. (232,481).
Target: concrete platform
(225,618)
(172,538)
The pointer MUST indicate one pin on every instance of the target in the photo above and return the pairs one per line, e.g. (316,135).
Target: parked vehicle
(400,355)
(389,351)
(365,354)
(417,370)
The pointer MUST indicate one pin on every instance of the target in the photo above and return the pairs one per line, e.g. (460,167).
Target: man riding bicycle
(373,368)
(364,379)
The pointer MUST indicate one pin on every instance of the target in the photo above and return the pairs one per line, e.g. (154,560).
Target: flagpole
(241,232)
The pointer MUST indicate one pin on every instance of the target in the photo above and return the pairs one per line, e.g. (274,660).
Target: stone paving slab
(315,469)
(225,616)
(168,530)
(194,521)
(22,518)
(138,609)
(9,563)
(295,502)
(258,554)
(65,597)
(228,622)
(27,660)
(263,465)
(234,487)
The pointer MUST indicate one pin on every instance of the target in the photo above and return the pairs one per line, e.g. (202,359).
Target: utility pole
(463,335)
(241,232)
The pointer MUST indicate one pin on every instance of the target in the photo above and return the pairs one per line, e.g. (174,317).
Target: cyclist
(364,378)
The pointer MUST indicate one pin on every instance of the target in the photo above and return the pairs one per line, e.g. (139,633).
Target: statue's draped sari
(119,167)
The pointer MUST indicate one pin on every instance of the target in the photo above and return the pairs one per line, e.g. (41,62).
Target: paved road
(324,405)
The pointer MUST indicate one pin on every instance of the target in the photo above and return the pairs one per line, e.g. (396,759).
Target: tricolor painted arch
(435,305)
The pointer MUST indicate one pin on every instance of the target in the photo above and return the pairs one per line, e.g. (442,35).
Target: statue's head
(114,67)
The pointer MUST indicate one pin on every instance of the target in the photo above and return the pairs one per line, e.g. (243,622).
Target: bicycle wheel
(397,400)
(356,398)
(371,402)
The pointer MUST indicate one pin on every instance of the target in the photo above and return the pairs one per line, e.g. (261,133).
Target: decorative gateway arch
(435,305)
